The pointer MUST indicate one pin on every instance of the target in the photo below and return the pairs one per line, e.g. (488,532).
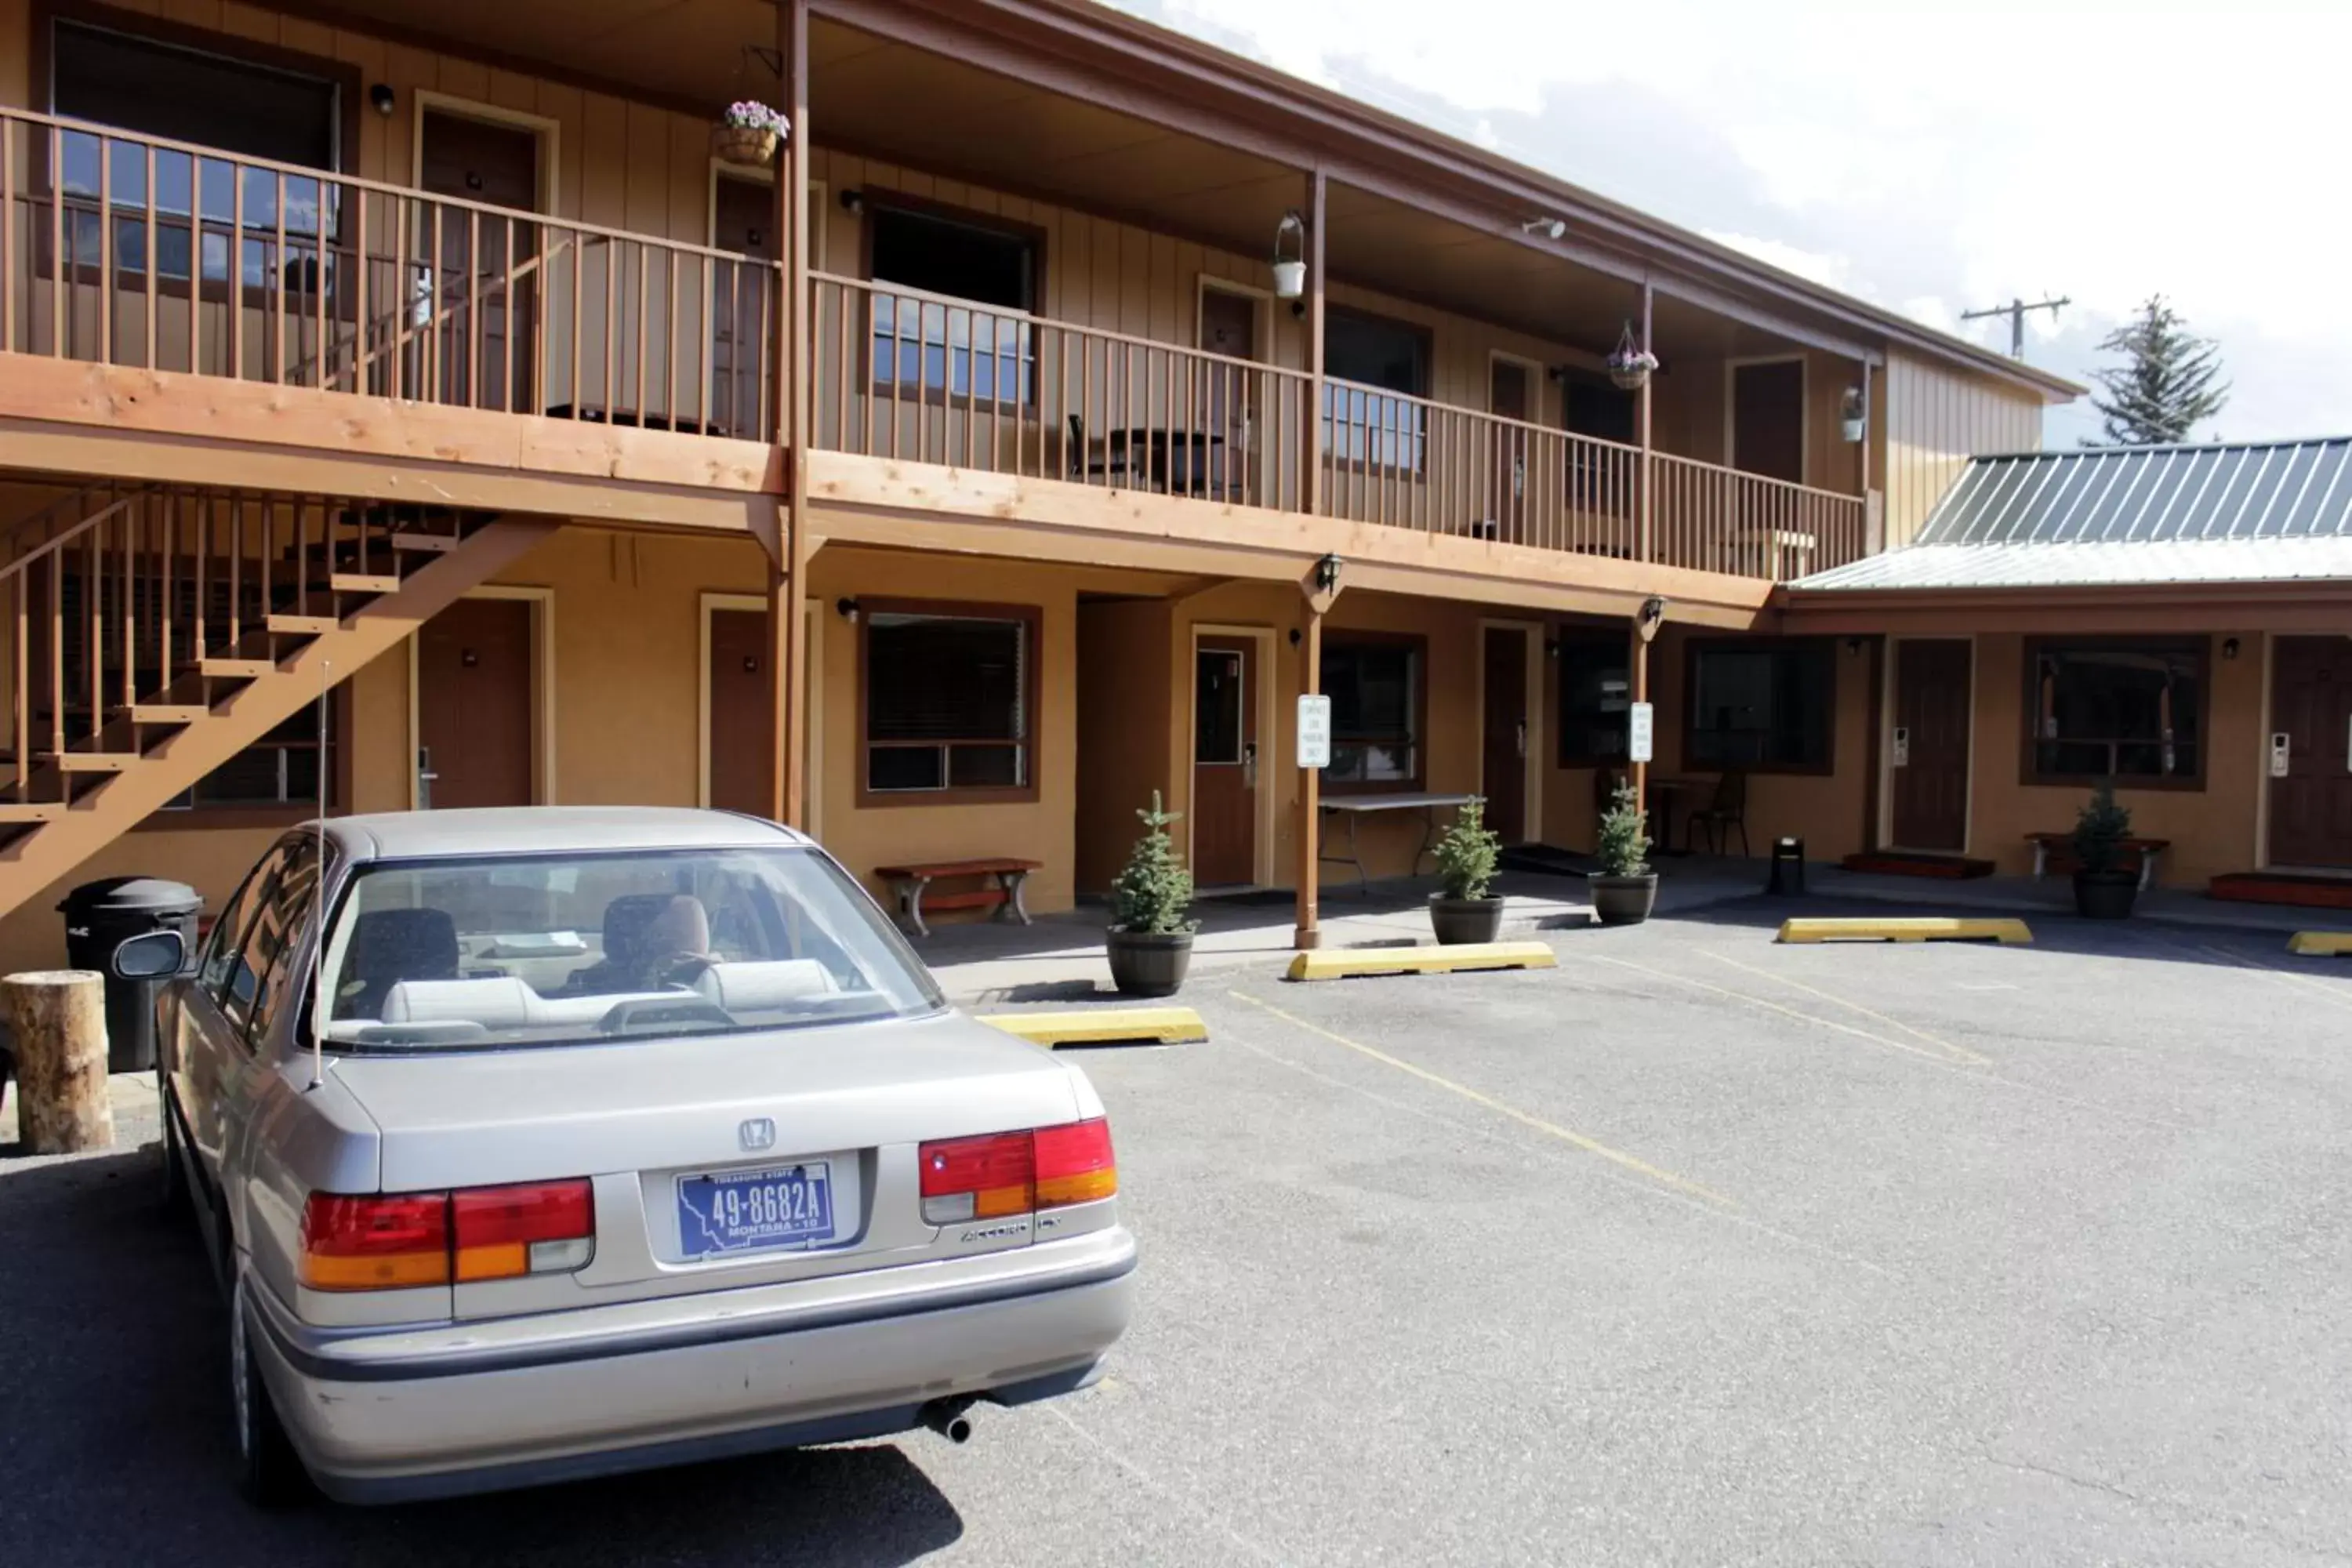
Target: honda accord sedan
(543,1143)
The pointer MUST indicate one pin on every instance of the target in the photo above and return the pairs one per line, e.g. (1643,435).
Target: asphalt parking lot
(1694,1249)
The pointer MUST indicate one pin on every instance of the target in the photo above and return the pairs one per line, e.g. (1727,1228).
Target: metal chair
(1082,464)
(1726,811)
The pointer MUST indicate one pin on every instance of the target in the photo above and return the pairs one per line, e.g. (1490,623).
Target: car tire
(174,1190)
(269,1474)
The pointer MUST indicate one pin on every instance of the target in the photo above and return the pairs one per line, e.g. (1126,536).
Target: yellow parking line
(2320,988)
(1549,1129)
(1958,1053)
(1786,1012)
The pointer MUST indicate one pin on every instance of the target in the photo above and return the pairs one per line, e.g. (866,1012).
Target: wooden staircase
(167,631)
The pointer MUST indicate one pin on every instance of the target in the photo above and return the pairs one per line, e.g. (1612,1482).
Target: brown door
(1506,396)
(481,339)
(1224,763)
(474,681)
(2311,707)
(1767,419)
(1229,326)
(1505,752)
(739,712)
(1931,744)
(743,219)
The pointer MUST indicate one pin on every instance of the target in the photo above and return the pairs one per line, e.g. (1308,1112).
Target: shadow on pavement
(114,1446)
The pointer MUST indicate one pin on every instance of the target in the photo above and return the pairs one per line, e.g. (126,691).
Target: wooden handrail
(360,183)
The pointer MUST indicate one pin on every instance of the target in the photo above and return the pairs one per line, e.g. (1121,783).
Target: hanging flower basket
(1630,363)
(748,135)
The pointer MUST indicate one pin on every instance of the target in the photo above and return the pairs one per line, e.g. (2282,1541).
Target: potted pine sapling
(2104,883)
(1151,925)
(1624,889)
(1462,910)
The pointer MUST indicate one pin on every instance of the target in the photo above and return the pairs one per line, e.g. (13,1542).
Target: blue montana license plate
(786,1205)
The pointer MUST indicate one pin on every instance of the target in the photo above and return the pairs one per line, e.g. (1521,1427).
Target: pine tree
(2165,387)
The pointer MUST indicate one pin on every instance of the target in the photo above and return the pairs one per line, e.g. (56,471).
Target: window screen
(2116,712)
(925,345)
(1375,691)
(1761,706)
(1362,426)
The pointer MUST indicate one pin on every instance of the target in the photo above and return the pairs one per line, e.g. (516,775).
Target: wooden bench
(2056,852)
(911,887)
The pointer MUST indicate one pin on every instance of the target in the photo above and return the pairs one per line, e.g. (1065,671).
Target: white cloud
(1942,155)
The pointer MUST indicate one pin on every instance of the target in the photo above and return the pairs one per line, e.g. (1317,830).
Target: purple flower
(750,114)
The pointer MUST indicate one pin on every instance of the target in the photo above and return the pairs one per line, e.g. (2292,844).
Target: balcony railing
(133,251)
(1720,520)
(903,374)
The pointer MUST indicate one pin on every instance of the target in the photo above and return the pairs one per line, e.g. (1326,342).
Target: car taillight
(1015,1173)
(1075,1164)
(540,1227)
(406,1239)
(375,1242)
(978,1178)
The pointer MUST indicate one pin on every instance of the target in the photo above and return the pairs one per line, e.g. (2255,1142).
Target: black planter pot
(1623,901)
(2105,895)
(1459,921)
(1148,963)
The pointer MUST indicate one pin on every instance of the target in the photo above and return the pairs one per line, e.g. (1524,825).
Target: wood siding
(1937,419)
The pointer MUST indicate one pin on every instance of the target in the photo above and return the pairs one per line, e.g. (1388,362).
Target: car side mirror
(156,955)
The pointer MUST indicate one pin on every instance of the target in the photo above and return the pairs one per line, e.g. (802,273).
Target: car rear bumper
(387,1416)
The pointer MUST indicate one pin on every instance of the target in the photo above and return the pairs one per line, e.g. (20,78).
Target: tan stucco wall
(2212,830)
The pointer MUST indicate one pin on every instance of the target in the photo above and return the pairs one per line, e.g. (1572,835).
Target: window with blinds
(948,700)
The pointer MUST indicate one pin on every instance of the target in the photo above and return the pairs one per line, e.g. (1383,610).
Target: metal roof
(2236,513)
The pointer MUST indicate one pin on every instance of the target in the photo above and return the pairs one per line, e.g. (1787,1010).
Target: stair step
(13,813)
(429,543)
(362,583)
(167,712)
(89,761)
(235,668)
(303,625)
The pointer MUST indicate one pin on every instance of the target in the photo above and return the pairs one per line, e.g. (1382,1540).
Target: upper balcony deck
(603,334)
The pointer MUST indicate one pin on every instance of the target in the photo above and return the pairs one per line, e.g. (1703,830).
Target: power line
(2015,310)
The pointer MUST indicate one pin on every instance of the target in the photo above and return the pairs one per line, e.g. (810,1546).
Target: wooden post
(59,1020)
(1869,427)
(1638,773)
(1647,522)
(795,369)
(1311,488)
(1309,934)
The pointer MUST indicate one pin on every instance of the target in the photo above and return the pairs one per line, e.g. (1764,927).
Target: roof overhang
(2322,606)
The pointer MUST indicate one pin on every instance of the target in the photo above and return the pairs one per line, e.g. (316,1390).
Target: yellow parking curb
(1099,1025)
(1341,963)
(2321,943)
(1910,928)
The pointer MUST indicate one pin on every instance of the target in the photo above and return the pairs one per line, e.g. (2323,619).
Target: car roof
(544,830)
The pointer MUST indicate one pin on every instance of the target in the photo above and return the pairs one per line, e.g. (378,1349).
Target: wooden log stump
(59,1018)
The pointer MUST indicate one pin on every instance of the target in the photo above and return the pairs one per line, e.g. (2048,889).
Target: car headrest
(389,945)
(641,925)
(752,987)
(500,1002)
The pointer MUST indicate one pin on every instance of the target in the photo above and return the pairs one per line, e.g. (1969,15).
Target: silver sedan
(544,1143)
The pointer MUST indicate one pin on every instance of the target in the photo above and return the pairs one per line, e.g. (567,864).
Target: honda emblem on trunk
(759,1132)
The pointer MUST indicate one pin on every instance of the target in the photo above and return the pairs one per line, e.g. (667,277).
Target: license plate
(742,1211)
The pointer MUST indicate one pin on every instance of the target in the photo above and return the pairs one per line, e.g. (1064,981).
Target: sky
(1929,159)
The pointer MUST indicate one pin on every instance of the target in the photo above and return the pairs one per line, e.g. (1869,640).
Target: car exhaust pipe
(947,1417)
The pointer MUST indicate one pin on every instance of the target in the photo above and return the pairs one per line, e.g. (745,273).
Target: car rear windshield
(567,949)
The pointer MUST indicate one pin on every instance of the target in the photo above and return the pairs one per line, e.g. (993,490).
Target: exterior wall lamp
(846,609)
(1290,271)
(2229,647)
(1327,574)
(380,95)
(1652,615)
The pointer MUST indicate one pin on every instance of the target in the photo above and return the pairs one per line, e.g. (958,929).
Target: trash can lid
(132,895)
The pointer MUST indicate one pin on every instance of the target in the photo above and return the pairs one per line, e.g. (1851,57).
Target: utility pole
(2015,310)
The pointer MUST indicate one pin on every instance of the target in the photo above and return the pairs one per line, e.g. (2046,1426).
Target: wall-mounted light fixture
(1290,271)
(1650,617)
(846,609)
(380,95)
(853,200)
(1854,645)
(2229,647)
(1548,226)
(1297,636)
(1327,574)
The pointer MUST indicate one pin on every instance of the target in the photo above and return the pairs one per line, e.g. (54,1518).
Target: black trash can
(1788,878)
(102,917)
